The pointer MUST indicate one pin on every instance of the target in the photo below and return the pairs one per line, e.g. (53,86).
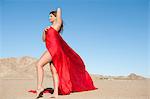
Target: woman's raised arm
(59,19)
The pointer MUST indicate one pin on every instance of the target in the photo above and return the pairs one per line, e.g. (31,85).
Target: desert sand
(18,75)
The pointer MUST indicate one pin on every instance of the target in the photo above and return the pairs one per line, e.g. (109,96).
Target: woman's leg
(55,79)
(44,59)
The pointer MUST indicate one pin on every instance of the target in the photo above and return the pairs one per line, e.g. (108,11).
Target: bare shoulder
(56,27)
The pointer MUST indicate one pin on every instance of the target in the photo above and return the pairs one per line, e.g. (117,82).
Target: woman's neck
(54,23)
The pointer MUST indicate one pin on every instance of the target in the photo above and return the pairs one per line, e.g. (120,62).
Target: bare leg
(55,79)
(44,59)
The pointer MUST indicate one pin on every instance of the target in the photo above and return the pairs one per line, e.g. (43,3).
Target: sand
(18,75)
(107,89)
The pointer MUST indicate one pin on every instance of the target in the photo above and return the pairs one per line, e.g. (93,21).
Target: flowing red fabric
(71,70)
(73,76)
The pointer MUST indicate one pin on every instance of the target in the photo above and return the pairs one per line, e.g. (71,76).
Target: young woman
(68,69)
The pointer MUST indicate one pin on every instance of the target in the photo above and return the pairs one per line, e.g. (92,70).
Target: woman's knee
(44,59)
(39,65)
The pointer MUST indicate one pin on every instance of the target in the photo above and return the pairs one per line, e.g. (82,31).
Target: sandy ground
(107,89)
(18,75)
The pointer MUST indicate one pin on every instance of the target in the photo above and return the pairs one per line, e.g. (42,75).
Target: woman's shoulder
(55,27)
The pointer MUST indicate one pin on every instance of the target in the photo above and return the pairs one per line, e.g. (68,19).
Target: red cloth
(73,76)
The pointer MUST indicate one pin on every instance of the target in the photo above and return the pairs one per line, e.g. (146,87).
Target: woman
(68,70)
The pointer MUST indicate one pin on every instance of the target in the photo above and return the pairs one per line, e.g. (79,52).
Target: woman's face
(52,18)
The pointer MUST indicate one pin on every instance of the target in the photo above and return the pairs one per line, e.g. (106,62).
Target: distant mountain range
(25,67)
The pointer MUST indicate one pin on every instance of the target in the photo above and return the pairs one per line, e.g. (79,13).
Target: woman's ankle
(55,92)
(40,87)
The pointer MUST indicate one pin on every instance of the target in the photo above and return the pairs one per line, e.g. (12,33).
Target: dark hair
(54,12)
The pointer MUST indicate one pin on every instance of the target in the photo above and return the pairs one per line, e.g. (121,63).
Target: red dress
(71,70)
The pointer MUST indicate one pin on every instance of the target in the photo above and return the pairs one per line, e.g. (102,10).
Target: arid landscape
(18,75)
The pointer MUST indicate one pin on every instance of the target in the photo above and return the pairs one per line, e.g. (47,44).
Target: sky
(111,36)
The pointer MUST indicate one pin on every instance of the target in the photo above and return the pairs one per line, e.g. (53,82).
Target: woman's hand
(43,35)
(46,28)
